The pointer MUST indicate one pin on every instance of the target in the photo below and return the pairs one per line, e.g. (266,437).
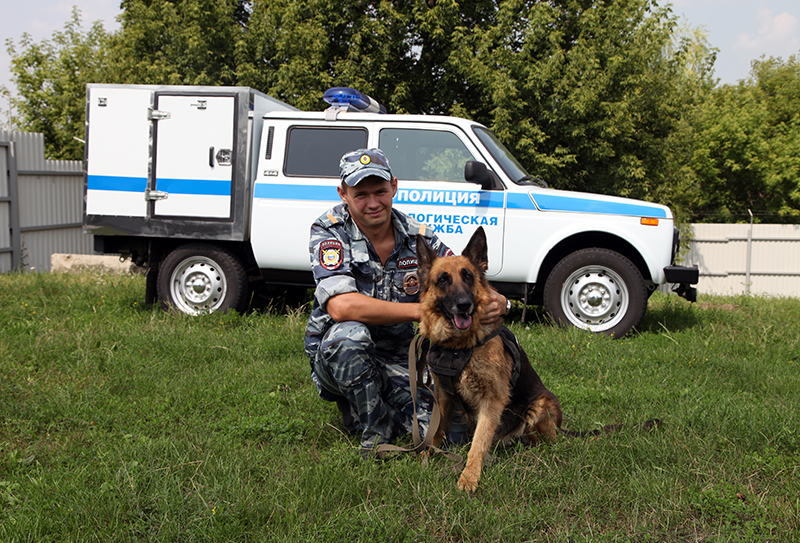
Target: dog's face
(454,290)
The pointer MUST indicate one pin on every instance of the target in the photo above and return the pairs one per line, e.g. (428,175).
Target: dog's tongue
(462,322)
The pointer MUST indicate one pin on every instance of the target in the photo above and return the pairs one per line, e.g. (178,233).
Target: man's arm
(354,306)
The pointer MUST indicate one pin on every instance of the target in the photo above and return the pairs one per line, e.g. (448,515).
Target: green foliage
(51,79)
(295,50)
(580,91)
(186,42)
(747,147)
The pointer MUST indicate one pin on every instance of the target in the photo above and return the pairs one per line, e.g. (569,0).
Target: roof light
(348,99)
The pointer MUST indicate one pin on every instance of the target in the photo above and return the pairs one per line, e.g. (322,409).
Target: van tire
(596,289)
(202,278)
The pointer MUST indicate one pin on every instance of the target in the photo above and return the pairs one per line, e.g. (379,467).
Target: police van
(214,189)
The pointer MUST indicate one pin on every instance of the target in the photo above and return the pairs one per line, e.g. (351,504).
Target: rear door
(194,143)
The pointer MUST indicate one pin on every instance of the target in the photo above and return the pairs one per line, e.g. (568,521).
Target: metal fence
(762,259)
(41,204)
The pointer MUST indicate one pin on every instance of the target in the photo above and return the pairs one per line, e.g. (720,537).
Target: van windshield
(510,165)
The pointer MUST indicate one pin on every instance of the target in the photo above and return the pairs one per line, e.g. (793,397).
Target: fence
(737,259)
(41,203)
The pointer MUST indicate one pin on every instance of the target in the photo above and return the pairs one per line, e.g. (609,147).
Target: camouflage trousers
(375,383)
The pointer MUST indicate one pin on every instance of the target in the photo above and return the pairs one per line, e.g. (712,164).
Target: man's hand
(495,309)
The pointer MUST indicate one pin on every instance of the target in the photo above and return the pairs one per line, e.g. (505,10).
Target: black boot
(349,422)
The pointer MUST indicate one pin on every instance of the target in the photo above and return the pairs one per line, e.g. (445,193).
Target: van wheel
(201,278)
(597,290)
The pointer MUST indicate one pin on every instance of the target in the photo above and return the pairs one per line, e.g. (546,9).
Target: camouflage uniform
(367,365)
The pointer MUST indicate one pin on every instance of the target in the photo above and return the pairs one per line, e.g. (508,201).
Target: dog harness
(448,364)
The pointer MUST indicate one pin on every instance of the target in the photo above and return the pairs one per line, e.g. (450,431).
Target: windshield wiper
(531,180)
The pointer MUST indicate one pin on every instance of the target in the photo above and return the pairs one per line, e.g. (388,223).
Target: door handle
(223,157)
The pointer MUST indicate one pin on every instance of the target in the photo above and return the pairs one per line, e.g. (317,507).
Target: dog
(478,367)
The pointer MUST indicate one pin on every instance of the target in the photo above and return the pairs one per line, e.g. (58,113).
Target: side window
(424,155)
(315,151)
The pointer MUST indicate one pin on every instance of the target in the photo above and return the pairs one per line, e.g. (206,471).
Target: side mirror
(477,172)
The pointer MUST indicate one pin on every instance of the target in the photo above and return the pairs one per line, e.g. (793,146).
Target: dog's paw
(467,483)
(425,456)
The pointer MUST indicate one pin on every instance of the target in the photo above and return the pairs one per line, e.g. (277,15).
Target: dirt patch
(68,263)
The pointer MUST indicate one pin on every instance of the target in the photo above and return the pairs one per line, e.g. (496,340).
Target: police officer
(363,256)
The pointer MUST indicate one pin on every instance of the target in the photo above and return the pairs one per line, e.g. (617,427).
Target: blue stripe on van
(111,182)
(296,192)
(404,196)
(518,200)
(558,202)
(172,186)
(208,187)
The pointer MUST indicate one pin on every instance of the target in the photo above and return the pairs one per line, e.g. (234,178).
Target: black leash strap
(417,351)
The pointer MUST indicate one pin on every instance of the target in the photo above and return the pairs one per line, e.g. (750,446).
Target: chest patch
(410,262)
(330,254)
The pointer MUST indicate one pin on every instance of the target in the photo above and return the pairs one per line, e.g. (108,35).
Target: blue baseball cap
(363,163)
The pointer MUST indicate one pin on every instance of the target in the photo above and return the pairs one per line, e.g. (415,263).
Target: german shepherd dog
(502,398)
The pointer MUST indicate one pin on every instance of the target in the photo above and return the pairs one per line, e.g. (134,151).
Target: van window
(424,155)
(316,151)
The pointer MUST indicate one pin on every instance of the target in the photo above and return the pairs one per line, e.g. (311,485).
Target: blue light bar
(352,99)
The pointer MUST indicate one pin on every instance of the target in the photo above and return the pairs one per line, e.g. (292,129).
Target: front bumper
(684,276)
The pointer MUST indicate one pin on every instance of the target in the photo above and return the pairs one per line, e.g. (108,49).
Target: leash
(417,350)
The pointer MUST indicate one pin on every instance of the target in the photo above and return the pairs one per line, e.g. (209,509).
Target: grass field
(119,422)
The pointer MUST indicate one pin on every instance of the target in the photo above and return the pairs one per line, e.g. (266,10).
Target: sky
(742,30)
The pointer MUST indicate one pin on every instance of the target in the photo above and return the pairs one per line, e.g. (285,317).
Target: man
(363,255)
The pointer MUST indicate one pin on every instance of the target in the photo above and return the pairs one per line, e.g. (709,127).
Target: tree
(6,117)
(397,52)
(161,42)
(693,59)
(51,79)
(580,90)
(294,50)
(747,146)
(179,42)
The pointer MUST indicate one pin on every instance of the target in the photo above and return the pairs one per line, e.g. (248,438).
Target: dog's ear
(425,258)
(476,250)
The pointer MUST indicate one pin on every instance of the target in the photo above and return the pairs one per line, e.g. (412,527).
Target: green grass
(123,423)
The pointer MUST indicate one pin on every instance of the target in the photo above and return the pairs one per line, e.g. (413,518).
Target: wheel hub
(198,285)
(594,298)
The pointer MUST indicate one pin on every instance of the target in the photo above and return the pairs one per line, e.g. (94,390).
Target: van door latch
(157,114)
(155,195)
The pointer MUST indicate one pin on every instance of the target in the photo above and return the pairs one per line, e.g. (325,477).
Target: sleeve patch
(330,254)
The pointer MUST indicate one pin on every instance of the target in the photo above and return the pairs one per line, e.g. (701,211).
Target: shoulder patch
(330,254)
